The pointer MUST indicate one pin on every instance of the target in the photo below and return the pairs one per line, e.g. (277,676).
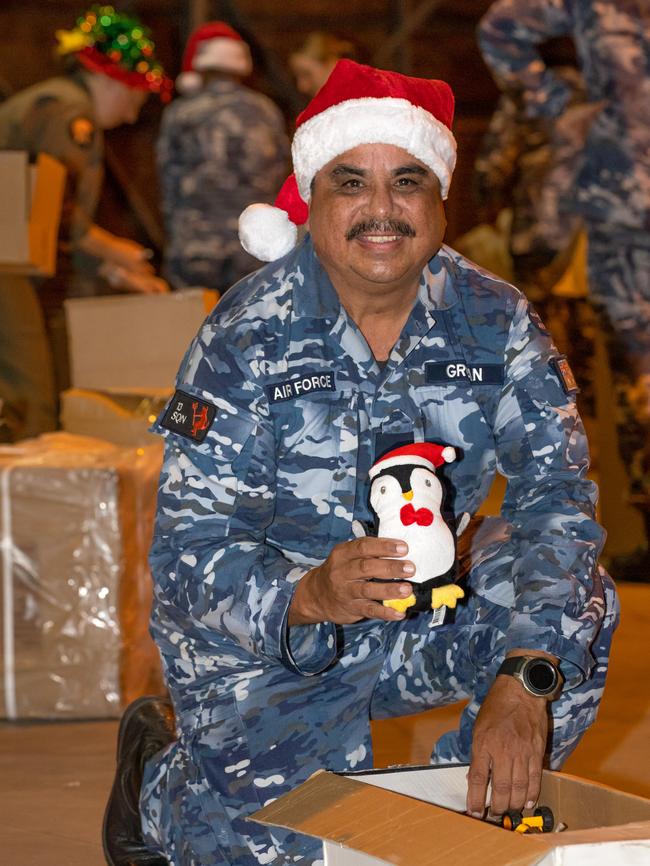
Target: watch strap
(513,665)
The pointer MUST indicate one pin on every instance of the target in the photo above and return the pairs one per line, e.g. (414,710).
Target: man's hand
(340,590)
(117,251)
(508,748)
(133,281)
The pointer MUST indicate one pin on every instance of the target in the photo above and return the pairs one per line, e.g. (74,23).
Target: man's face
(376,217)
(115,103)
(310,73)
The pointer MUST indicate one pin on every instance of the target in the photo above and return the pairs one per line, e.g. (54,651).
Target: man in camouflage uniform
(612,188)
(65,118)
(221,146)
(276,645)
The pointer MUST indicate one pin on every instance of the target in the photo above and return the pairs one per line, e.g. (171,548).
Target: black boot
(147,726)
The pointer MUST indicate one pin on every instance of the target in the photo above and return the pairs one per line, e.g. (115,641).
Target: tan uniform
(54,117)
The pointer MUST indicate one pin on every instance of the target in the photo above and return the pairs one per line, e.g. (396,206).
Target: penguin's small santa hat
(425,454)
(357,105)
(214,45)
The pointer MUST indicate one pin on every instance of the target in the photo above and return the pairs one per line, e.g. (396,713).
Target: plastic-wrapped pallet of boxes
(76,516)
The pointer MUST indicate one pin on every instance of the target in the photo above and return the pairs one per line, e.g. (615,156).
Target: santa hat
(356,105)
(425,454)
(217,46)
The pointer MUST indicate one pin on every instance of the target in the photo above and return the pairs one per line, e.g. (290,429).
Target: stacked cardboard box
(125,351)
(76,518)
(30,213)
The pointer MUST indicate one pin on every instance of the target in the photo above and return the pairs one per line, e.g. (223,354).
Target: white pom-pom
(266,232)
(448,454)
(189,82)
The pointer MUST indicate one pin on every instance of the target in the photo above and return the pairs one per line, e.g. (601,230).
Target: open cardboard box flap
(392,816)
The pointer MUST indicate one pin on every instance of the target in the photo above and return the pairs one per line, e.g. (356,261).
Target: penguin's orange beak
(408,495)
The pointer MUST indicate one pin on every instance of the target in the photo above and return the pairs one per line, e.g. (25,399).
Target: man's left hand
(508,748)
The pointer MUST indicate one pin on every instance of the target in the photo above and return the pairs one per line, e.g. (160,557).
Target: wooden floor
(54,778)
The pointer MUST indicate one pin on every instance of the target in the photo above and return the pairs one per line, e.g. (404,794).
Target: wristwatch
(537,675)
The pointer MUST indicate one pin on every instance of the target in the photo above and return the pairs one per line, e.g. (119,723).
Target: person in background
(611,190)
(523,177)
(512,168)
(111,69)
(367,334)
(221,146)
(312,63)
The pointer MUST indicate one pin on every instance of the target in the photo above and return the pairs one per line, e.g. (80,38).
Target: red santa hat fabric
(214,45)
(360,105)
(426,454)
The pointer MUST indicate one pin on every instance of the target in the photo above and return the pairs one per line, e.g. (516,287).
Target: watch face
(541,676)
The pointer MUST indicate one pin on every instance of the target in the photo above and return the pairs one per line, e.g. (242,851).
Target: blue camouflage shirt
(273,431)
(612,39)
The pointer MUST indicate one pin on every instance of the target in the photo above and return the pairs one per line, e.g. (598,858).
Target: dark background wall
(441,45)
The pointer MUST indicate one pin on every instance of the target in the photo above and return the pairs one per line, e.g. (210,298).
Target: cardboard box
(133,344)
(412,816)
(123,419)
(76,518)
(30,213)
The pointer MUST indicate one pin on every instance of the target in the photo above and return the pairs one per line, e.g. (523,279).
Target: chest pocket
(316,441)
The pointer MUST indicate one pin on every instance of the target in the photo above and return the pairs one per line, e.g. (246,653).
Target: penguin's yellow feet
(445,595)
(400,604)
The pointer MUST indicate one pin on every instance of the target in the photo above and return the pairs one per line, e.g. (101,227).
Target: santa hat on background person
(425,454)
(356,105)
(215,46)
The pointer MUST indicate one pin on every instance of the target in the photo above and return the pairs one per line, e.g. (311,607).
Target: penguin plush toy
(405,499)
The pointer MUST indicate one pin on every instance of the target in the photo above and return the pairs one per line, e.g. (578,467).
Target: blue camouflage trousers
(234,753)
(619,289)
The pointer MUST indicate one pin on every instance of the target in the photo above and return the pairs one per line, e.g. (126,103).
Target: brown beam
(410,23)
(199,11)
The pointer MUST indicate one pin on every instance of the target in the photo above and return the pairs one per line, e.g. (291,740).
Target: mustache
(389,227)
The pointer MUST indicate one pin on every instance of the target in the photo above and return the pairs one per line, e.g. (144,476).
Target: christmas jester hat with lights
(110,43)
(213,46)
(356,105)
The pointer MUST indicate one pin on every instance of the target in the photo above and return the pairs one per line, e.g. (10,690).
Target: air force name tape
(460,372)
(188,416)
(302,385)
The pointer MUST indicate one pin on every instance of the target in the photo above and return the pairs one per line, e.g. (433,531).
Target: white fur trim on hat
(385,120)
(189,82)
(448,454)
(266,232)
(224,54)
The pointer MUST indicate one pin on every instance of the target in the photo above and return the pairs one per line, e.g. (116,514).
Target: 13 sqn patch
(564,373)
(82,131)
(189,416)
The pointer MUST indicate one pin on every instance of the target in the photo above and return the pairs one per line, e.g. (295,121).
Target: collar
(315,296)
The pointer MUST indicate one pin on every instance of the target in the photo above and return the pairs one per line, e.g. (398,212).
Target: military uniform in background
(54,117)
(513,169)
(612,188)
(219,150)
(280,411)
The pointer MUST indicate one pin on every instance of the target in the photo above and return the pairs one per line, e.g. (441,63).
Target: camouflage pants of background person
(237,752)
(619,286)
(27,389)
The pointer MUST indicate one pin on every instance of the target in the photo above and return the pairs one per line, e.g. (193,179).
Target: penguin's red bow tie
(423,516)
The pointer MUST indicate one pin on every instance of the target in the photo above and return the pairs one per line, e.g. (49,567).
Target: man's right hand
(341,591)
